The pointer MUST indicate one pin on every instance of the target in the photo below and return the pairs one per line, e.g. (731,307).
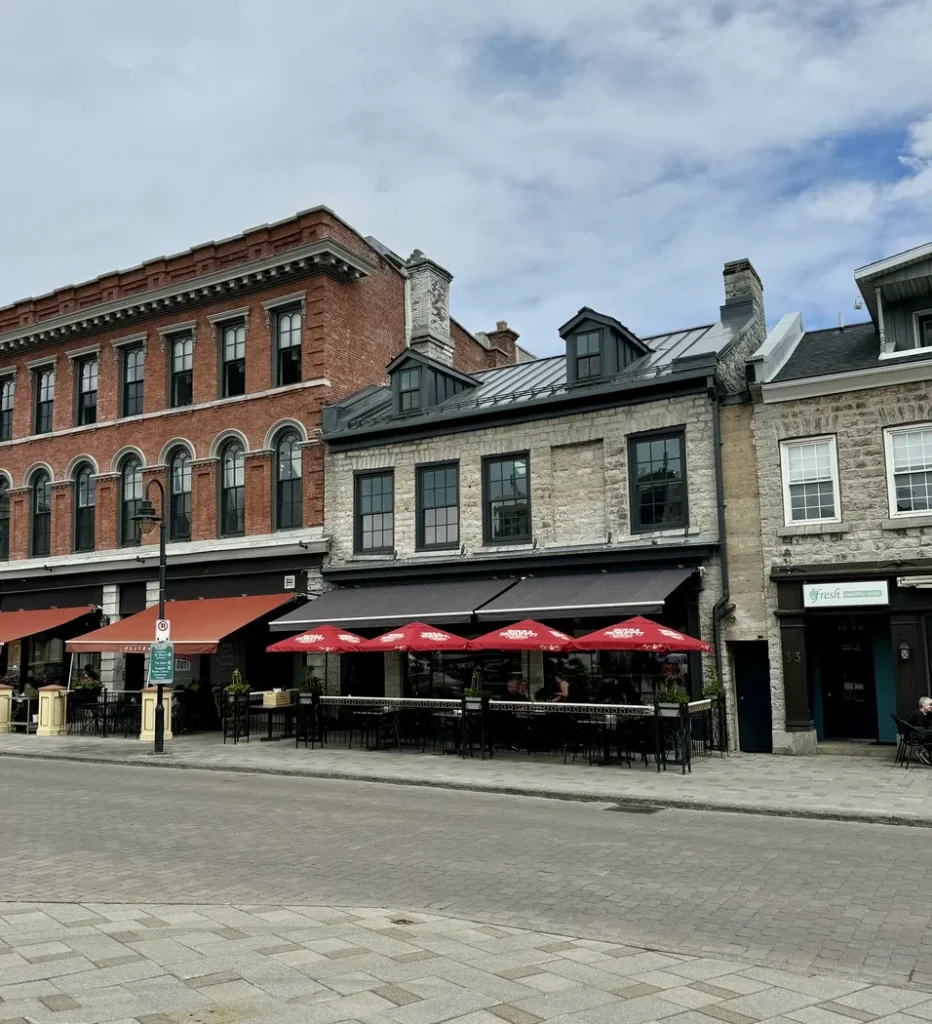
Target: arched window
(130,497)
(84,502)
(287,481)
(41,514)
(179,487)
(232,491)
(4,518)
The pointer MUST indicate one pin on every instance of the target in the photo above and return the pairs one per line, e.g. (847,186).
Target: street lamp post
(148,519)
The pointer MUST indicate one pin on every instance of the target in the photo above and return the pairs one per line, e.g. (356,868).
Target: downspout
(723,606)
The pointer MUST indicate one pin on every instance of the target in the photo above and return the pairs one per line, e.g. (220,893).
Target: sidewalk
(865,789)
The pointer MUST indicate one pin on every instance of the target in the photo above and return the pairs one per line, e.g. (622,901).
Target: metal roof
(540,378)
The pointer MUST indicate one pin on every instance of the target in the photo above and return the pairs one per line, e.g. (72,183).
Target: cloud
(550,155)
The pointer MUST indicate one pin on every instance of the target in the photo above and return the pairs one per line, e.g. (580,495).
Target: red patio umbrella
(639,634)
(417,637)
(526,635)
(320,640)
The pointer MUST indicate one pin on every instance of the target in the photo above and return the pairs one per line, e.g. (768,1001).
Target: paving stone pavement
(865,789)
(90,963)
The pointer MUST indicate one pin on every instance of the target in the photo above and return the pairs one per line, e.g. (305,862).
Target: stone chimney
(744,301)
(743,290)
(502,345)
(429,308)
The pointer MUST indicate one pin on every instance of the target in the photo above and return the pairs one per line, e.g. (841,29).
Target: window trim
(171,340)
(889,472)
(276,313)
(487,538)
(37,372)
(917,347)
(80,469)
(358,477)
(77,366)
(9,378)
(601,354)
(416,390)
(177,452)
(228,443)
(634,524)
(233,322)
(791,442)
(122,540)
(277,481)
(124,352)
(5,488)
(32,513)
(419,509)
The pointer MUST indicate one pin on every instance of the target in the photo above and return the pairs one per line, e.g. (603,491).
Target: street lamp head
(147,517)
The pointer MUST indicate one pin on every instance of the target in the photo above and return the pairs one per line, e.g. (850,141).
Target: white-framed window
(810,481)
(909,470)
(922,328)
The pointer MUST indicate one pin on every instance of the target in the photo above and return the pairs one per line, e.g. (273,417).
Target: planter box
(275,700)
(474,703)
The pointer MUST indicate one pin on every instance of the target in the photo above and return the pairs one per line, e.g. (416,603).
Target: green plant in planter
(85,682)
(713,685)
(672,696)
(309,682)
(236,685)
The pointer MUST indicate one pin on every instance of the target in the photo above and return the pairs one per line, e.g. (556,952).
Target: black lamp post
(148,519)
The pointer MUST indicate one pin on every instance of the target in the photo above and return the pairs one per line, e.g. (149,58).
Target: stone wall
(866,532)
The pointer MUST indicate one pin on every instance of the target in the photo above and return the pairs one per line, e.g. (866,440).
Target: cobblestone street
(841,899)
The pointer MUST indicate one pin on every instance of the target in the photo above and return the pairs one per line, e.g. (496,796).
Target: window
(909,470)
(233,371)
(179,497)
(84,502)
(41,540)
(86,412)
(923,324)
(409,389)
(4,518)
(658,482)
(810,480)
(438,506)
(232,491)
(130,497)
(288,348)
(7,391)
(507,500)
(588,355)
(134,360)
(45,399)
(182,371)
(375,512)
(288,482)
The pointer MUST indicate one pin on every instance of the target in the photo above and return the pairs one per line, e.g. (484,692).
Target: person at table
(921,721)
(517,689)
(562,691)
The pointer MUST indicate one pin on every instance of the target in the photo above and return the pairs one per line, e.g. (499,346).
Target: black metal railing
(107,714)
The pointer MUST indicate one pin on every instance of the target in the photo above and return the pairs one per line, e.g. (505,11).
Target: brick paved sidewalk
(170,964)
(841,788)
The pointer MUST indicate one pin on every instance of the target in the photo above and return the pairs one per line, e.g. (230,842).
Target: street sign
(161,663)
(163,630)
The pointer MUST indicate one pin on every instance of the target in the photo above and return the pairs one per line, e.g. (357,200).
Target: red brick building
(207,371)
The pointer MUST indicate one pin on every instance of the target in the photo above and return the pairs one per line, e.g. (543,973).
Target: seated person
(921,721)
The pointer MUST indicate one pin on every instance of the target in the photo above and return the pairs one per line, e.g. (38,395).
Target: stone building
(842,429)
(579,489)
(205,371)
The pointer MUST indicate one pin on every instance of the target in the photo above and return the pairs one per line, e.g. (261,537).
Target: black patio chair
(909,739)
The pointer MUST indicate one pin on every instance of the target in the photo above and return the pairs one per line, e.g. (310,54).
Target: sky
(610,153)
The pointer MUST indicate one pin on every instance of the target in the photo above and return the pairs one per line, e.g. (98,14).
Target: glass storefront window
(46,660)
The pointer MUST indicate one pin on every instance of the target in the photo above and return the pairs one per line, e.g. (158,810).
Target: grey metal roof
(541,378)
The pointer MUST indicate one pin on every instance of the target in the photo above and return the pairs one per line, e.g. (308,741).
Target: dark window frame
(359,516)
(420,476)
(137,397)
(179,502)
(409,398)
(634,504)
(85,515)
(7,406)
(180,382)
(40,531)
(594,358)
(85,410)
(4,519)
(44,409)
(294,505)
(236,510)
(487,533)
(130,532)
(279,363)
(228,364)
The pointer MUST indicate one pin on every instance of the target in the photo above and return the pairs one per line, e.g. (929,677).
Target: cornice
(324,256)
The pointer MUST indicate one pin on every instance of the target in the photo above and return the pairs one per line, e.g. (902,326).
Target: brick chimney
(503,350)
(429,308)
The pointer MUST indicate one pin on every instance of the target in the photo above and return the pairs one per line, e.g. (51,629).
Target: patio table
(287,710)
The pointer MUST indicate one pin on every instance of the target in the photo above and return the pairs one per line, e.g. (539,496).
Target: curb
(577,796)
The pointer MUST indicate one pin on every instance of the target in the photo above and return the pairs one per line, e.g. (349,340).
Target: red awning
(197,627)
(16,625)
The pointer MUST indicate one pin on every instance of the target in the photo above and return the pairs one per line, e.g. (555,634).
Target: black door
(849,703)
(362,675)
(135,671)
(752,689)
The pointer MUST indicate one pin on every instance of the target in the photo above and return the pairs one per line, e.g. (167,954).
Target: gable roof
(412,355)
(587,313)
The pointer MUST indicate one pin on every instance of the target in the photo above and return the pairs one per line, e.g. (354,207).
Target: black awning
(634,592)
(443,603)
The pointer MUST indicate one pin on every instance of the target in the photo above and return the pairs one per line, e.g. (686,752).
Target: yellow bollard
(53,715)
(149,695)
(6,708)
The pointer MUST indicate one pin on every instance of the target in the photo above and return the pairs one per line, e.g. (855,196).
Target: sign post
(161,671)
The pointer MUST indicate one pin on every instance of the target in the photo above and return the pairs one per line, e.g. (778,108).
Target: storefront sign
(845,595)
(162,663)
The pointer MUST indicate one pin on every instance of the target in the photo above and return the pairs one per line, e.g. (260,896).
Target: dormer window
(409,389)
(924,329)
(588,355)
